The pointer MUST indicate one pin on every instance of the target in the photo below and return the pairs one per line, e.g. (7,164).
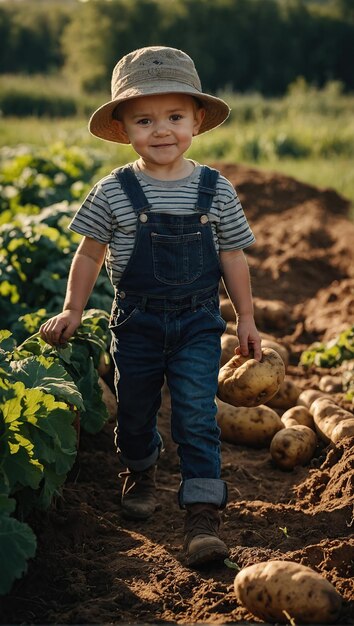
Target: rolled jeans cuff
(140,465)
(203,490)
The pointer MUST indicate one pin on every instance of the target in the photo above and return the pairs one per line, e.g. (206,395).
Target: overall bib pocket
(177,259)
(213,311)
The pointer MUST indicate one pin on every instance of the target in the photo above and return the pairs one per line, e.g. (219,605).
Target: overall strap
(206,188)
(132,188)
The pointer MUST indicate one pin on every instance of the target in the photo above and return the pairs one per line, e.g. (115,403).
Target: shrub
(23,104)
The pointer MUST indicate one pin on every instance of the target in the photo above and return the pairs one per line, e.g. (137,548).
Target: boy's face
(160,128)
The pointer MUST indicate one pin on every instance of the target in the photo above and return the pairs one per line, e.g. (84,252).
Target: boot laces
(136,477)
(138,482)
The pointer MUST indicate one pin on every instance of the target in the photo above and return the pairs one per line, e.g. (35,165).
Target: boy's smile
(161,128)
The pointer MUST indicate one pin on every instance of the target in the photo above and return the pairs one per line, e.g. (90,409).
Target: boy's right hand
(58,329)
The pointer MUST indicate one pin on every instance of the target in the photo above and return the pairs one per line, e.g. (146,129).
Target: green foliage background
(239,45)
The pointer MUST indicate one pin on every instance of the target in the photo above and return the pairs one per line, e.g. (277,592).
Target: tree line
(237,45)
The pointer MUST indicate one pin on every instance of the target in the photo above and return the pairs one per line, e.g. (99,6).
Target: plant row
(33,179)
(46,394)
(36,246)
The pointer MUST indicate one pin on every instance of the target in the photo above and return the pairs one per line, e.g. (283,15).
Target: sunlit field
(308,134)
(59,509)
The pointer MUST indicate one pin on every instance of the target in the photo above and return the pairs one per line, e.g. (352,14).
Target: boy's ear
(198,119)
(120,128)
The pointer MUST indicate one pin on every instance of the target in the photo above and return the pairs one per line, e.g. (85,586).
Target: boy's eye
(144,121)
(176,117)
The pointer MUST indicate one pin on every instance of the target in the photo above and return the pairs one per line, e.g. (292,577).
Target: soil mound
(94,567)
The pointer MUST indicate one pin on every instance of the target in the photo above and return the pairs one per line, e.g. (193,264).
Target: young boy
(168,230)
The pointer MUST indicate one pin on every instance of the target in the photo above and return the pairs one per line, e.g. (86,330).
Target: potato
(330,384)
(227,310)
(298,415)
(243,381)
(326,416)
(345,428)
(326,425)
(278,347)
(250,426)
(286,396)
(228,345)
(293,446)
(308,396)
(108,398)
(229,341)
(323,407)
(271,313)
(231,328)
(274,590)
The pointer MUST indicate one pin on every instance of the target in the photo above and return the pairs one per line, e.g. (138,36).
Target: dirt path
(94,567)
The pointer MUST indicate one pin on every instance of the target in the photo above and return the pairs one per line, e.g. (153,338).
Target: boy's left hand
(248,337)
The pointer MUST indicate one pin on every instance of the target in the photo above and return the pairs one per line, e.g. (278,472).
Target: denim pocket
(120,317)
(177,259)
(212,309)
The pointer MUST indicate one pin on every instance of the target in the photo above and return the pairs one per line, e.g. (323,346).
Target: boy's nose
(161,128)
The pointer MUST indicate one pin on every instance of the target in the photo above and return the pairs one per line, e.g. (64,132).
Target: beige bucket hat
(151,71)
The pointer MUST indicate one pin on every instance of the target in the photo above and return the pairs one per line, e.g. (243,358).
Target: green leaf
(95,414)
(30,346)
(29,324)
(55,438)
(51,485)
(49,376)
(7,290)
(7,342)
(231,564)
(65,352)
(331,354)
(7,505)
(39,444)
(17,545)
(10,400)
(21,469)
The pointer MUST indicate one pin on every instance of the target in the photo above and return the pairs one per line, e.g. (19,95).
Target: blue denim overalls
(166,322)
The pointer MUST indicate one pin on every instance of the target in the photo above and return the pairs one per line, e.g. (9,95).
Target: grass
(308,134)
(337,174)
(52,95)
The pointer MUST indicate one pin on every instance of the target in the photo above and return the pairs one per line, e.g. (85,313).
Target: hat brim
(100,124)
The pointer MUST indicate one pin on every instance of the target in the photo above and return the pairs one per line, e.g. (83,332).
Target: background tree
(30,36)
(101,32)
(240,45)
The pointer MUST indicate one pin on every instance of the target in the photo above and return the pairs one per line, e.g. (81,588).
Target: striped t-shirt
(107,216)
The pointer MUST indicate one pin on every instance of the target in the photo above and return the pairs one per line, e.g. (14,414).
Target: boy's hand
(248,337)
(58,329)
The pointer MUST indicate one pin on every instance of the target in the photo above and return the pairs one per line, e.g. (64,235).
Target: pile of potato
(291,423)
(259,406)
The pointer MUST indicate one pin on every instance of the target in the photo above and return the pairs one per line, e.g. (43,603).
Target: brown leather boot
(202,543)
(139,498)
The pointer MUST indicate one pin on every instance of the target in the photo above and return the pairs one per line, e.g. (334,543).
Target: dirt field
(94,567)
